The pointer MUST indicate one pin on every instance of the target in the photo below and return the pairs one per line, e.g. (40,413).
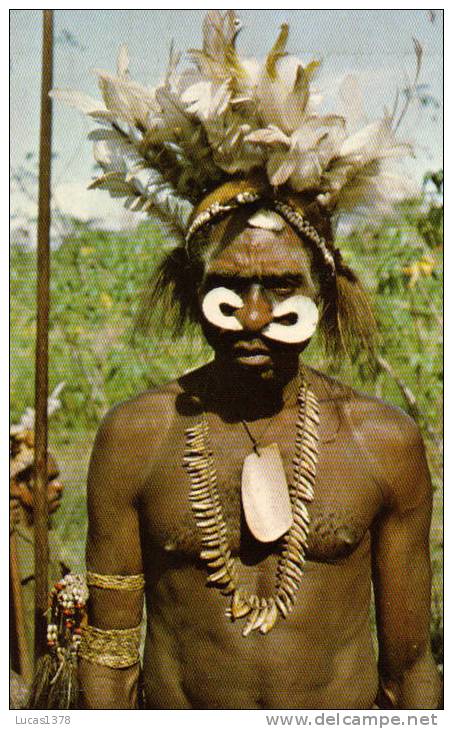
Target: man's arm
(113,549)
(402,570)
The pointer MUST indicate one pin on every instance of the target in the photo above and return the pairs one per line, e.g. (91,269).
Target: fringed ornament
(55,684)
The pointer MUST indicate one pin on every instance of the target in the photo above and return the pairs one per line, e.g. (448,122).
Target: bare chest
(344,505)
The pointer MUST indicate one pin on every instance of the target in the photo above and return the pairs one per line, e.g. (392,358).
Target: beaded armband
(112,648)
(116,582)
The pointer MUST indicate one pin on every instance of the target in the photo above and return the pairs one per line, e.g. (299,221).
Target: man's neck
(238,394)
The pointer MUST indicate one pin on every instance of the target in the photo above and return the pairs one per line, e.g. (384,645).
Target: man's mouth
(251,354)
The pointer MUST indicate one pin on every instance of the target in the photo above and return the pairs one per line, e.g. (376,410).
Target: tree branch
(407,393)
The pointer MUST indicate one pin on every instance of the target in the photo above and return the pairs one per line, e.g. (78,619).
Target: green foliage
(403,273)
(437,178)
(430,226)
(96,282)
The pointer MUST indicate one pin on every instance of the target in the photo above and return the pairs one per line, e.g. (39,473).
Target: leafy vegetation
(95,284)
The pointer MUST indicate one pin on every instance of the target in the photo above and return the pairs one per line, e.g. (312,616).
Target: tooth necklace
(260,613)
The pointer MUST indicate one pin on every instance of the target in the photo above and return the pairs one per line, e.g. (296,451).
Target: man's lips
(250,353)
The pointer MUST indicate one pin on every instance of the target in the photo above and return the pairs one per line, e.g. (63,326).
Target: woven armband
(116,582)
(112,648)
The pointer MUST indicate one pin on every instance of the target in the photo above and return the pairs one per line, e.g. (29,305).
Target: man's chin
(256,362)
(256,367)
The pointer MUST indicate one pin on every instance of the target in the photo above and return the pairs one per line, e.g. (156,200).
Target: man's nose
(256,312)
(56,485)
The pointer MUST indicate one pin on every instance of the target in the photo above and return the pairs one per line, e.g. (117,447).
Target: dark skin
(369,521)
(21,493)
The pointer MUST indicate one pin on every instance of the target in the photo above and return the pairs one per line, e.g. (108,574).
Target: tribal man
(22,568)
(254,502)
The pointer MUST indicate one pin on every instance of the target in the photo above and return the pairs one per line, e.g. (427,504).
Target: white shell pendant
(265,495)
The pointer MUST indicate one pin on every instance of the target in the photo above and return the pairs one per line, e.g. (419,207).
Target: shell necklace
(259,613)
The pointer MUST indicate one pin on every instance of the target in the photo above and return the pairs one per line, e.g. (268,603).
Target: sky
(375,45)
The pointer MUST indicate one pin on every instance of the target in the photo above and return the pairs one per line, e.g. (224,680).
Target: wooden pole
(41,376)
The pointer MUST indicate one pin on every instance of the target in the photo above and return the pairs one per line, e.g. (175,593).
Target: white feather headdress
(224,117)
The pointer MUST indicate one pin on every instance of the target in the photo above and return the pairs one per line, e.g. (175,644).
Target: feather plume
(219,32)
(351,99)
(207,100)
(218,60)
(272,136)
(126,99)
(122,64)
(78,100)
(165,148)
(278,51)
(173,61)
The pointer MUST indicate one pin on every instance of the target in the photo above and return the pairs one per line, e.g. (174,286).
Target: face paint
(302,307)
(211,307)
(303,328)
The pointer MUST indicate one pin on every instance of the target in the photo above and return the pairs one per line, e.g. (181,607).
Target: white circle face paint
(302,329)
(211,307)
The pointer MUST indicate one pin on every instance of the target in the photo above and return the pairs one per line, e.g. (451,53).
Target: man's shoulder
(389,439)
(368,413)
(148,415)
(129,439)
(141,419)
(382,422)
(143,411)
